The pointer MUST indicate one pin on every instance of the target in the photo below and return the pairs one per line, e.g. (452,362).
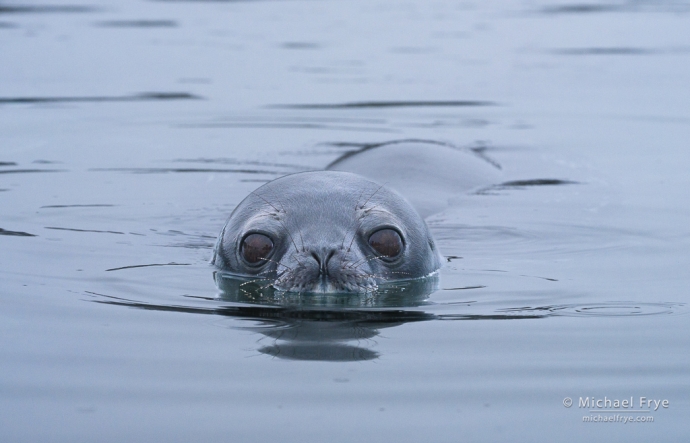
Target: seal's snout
(323,259)
(326,270)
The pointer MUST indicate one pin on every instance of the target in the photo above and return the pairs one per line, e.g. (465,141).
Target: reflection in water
(342,327)
(330,327)
(324,327)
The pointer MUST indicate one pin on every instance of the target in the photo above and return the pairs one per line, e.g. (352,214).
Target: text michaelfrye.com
(618,410)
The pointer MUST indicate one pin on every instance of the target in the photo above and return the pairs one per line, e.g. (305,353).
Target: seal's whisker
(277,262)
(296,259)
(267,271)
(273,277)
(354,234)
(252,281)
(298,229)
(359,223)
(356,208)
(266,201)
(366,260)
(248,293)
(359,219)
(365,275)
(358,199)
(371,196)
(264,287)
(342,244)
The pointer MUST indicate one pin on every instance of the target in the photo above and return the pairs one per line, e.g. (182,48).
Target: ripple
(42,9)
(84,230)
(186,170)
(389,104)
(95,205)
(290,167)
(147,265)
(581,8)
(605,51)
(300,45)
(607,309)
(146,96)
(630,6)
(536,182)
(138,24)
(16,233)
(29,171)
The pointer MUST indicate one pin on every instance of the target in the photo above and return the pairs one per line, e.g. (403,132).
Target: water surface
(130,130)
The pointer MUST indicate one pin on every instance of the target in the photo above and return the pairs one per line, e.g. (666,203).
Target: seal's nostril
(321,263)
(331,253)
(322,260)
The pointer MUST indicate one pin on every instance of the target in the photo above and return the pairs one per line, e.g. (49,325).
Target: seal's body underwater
(326,231)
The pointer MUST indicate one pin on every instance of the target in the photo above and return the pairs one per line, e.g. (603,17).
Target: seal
(325,232)
(429,173)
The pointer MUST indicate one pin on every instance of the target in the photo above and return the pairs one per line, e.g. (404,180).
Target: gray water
(129,131)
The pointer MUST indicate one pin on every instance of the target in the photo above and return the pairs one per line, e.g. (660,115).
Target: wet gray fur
(320,223)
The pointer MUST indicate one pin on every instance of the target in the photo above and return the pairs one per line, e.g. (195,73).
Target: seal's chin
(325,284)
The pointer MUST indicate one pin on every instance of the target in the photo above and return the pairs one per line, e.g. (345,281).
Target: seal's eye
(386,242)
(256,247)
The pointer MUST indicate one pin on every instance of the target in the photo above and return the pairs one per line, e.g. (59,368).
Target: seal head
(325,231)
